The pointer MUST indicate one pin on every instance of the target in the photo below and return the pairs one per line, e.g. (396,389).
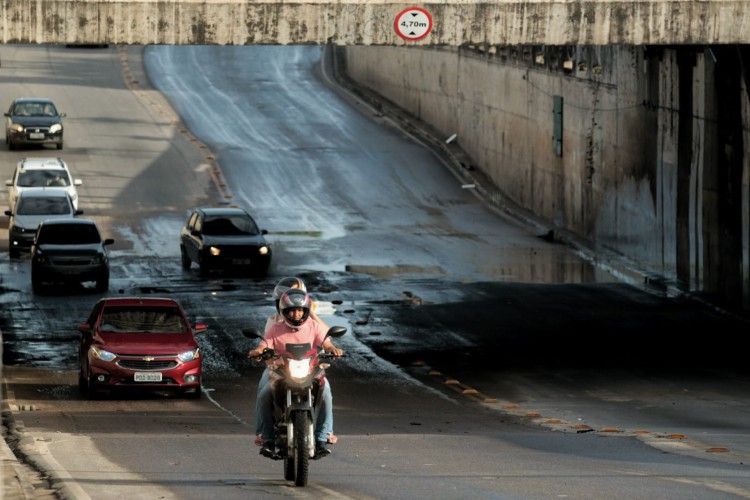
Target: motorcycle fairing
(299,351)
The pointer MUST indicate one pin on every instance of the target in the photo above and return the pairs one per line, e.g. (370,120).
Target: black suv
(69,250)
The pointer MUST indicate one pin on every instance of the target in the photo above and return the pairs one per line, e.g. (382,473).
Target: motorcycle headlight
(190,355)
(299,369)
(102,354)
(263,250)
(55,128)
(16,127)
(215,251)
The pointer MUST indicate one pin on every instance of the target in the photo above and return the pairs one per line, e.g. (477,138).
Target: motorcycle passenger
(294,307)
(282,286)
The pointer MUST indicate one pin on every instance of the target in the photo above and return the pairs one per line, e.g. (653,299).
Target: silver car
(33,206)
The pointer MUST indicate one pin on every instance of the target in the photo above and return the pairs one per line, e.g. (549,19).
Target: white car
(42,172)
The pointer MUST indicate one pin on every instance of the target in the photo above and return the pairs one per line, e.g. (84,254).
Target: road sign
(413,24)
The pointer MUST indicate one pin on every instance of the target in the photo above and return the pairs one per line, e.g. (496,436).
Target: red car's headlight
(190,355)
(102,354)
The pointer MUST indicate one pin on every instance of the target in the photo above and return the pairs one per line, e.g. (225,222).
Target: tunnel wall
(637,168)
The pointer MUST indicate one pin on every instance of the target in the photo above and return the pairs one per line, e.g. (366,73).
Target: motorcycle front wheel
(301,439)
(289,468)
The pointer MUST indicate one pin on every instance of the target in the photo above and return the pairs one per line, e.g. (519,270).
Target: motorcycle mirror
(336,331)
(252,333)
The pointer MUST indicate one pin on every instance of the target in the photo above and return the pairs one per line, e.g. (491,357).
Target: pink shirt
(279,334)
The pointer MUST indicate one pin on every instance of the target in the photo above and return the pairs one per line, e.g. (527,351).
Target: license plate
(241,262)
(147,376)
(36,135)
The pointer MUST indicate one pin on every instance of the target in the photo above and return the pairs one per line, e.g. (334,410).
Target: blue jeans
(264,419)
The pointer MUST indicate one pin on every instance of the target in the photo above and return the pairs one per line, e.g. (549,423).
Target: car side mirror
(79,212)
(200,327)
(6,114)
(84,328)
(76,182)
(63,115)
(8,213)
(264,231)
(108,241)
(9,182)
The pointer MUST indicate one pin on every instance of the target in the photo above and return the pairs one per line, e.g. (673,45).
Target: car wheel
(193,393)
(11,146)
(13,253)
(203,267)
(83,383)
(36,281)
(102,282)
(185,259)
(59,145)
(91,391)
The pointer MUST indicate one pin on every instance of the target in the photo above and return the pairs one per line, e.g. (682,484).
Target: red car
(136,342)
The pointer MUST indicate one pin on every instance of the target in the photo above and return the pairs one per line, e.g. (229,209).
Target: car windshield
(43,206)
(35,109)
(68,234)
(229,225)
(142,319)
(41,178)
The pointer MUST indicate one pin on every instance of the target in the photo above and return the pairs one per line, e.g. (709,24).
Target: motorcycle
(297,383)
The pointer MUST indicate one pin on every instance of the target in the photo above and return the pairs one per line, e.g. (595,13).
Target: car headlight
(17,229)
(190,355)
(55,128)
(215,251)
(15,127)
(263,250)
(102,354)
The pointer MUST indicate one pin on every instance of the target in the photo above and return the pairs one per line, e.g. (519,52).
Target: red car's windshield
(140,319)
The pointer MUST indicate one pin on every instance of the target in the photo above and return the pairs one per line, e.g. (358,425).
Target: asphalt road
(482,361)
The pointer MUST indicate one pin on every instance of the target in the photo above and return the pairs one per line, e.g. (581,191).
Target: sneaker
(268,450)
(258,440)
(321,450)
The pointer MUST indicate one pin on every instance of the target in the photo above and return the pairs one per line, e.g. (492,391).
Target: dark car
(69,250)
(137,342)
(33,206)
(221,238)
(33,120)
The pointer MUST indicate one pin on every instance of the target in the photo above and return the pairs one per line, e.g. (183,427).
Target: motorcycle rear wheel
(301,439)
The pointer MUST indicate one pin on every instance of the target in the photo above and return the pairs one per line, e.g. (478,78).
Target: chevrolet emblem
(148,358)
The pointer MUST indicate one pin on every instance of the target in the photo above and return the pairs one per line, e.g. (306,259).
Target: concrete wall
(641,171)
(371,22)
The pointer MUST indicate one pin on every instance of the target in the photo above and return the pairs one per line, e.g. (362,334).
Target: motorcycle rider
(294,307)
(282,286)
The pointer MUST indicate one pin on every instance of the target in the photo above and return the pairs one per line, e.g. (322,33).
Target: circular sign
(413,24)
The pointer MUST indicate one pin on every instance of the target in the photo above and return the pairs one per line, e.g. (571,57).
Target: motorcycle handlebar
(328,355)
(266,355)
